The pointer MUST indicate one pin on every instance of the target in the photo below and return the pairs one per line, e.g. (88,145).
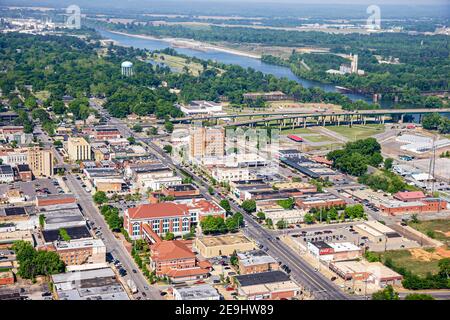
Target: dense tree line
(435,121)
(425,63)
(34,263)
(356,156)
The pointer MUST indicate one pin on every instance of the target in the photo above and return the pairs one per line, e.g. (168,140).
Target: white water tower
(127,69)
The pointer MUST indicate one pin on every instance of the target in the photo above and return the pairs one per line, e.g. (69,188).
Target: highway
(296,114)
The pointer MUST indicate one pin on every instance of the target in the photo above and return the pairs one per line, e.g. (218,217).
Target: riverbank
(191,44)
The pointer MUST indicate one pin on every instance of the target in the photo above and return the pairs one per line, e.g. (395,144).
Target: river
(229,58)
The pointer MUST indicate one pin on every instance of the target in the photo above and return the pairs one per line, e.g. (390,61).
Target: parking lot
(34,188)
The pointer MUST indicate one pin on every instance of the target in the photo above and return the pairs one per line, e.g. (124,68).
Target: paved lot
(30,189)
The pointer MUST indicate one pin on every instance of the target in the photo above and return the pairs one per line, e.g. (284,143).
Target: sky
(317,2)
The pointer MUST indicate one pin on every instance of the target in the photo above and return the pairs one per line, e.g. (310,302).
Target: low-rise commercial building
(334,251)
(198,292)
(96,284)
(214,246)
(372,272)
(77,252)
(271,285)
(6,174)
(319,201)
(256,261)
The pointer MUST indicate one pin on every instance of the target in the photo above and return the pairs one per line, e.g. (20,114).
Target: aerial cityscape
(224,150)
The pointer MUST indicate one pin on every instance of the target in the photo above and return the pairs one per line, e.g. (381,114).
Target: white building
(199,292)
(201,107)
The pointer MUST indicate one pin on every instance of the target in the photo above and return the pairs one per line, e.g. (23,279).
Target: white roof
(343,246)
(127,64)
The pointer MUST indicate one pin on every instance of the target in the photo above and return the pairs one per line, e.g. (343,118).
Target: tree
(281,224)
(444,268)
(269,222)
(167,148)
(100,197)
(287,204)
(131,140)
(137,128)
(41,221)
(33,263)
(210,190)
(153,131)
(58,144)
(168,126)
(261,216)
(64,235)
(309,218)
(234,259)
(249,206)
(387,293)
(169,236)
(225,204)
(388,162)
(419,296)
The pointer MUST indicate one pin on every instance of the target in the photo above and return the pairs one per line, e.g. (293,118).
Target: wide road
(113,245)
(313,281)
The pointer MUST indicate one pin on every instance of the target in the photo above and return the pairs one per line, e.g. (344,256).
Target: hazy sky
(355,2)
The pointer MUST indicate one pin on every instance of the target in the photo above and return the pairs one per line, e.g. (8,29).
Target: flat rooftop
(198,292)
(225,240)
(255,257)
(262,278)
(79,232)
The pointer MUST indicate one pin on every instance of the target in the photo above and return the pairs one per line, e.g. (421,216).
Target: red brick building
(25,173)
(409,196)
(174,259)
(161,217)
(428,205)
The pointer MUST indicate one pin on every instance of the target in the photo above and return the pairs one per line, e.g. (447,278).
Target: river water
(230,58)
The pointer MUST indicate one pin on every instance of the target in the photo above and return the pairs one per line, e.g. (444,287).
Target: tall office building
(354,65)
(40,162)
(207,142)
(78,149)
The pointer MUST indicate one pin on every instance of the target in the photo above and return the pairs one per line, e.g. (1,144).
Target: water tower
(127,69)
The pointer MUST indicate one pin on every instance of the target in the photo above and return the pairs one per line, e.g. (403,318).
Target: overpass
(338,118)
(300,118)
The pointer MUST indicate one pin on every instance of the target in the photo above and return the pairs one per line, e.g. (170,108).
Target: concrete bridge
(319,117)
(338,118)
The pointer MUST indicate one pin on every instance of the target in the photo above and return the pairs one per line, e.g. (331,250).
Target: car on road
(134,271)
(144,294)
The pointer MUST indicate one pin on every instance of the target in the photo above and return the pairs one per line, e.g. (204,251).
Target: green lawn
(318,138)
(358,132)
(178,64)
(403,258)
(438,227)
(42,95)
(297,131)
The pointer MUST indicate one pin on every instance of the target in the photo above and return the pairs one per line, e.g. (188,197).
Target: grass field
(297,131)
(42,95)
(358,132)
(403,258)
(440,229)
(178,64)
